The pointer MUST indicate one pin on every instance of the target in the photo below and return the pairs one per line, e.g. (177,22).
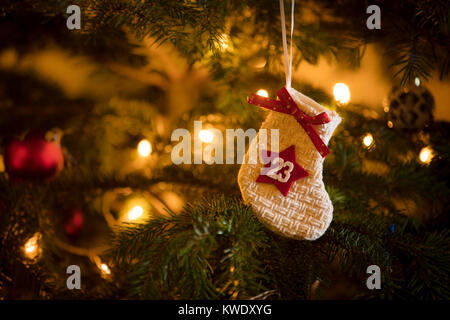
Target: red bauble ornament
(33,158)
(74,222)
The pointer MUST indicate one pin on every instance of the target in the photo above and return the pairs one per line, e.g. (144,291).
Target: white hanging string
(287,57)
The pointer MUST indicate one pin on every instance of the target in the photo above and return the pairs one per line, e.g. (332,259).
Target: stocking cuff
(312,108)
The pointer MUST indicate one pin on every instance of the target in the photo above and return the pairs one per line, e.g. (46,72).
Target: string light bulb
(135,210)
(144,148)
(223,42)
(135,213)
(105,269)
(368,140)
(262,93)
(341,93)
(31,248)
(426,155)
(417,81)
(206,136)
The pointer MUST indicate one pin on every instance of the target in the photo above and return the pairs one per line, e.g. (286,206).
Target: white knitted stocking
(306,211)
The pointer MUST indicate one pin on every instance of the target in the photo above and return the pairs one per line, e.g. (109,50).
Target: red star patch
(281,169)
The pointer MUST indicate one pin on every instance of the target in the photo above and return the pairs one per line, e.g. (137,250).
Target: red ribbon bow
(287,105)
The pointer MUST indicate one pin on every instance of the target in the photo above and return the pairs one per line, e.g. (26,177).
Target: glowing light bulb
(144,148)
(206,136)
(31,247)
(135,213)
(263,93)
(368,140)
(223,42)
(105,269)
(417,81)
(341,93)
(426,155)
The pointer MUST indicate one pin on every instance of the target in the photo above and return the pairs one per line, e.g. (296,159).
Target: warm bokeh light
(263,93)
(144,148)
(417,81)
(31,247)
(341,93)
(390,124)
(368,140)
(105,269)
(135,213)
(206,136)
(223,42)
(135,210)
(426,155)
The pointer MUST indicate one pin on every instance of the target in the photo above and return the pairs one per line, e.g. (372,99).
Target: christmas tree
(91,93)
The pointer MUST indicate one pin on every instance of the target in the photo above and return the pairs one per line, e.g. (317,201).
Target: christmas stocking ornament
(285,188)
